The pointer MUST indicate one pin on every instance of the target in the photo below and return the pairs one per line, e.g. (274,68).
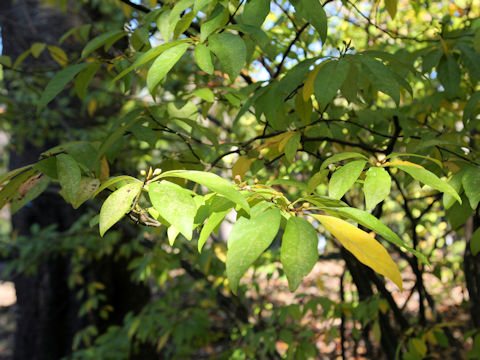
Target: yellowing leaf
(241,166)
(402,162)
(58,55)
(363,246)
(281,145)
(308,88)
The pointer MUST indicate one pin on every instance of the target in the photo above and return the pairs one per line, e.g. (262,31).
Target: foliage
(298,117)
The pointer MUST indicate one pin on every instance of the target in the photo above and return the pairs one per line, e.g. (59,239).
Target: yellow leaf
(308,88)
(363,246)
(58,55)
(283,143)
(92,107)
(401,162)
(241,166)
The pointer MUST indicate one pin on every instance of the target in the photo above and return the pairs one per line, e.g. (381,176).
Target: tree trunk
(47,309)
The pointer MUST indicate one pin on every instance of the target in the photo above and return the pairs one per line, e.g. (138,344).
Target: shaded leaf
(231,51)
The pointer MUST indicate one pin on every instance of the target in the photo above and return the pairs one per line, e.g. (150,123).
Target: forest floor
(323,281)
(7,319)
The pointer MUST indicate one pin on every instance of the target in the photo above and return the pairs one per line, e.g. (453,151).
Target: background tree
(305,119)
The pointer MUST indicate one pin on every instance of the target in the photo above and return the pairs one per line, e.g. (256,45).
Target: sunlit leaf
(363,246)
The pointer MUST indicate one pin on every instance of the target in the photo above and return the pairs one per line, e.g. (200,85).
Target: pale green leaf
(163,64)
(117,205)
(376,186)
(428,178)
(217,19)
(214,183)
(299,251)
(114,180)
(205,94)
(175,204)
(341,156)
(248,239)
(212,222)
(203,57)
(344,178)
(149,56)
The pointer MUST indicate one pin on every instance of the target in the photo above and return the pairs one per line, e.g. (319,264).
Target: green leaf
(456,183)
(149,56)
(299,252)
(108,38)
(115,179)
(203,57)
(8,191)
(344,178)
(69,176)
(88,187)
(329,79)
(48,167)
(175,204)
(429,178)
(163,64)
(475,242)
(248,239)
(471,59)
(341,156)
(212,222)
(214,183)
(37,49)
(58,83)
(371,222)
(205,94)
(218,18)
(471,184)
(313,12)
(230,51)
(117,205)
(292,146)
(39,186)
(376,186)
(13,173)
(391,6)
(255,12)
(470,106)
(381,77)
(84,78)
(449,75)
